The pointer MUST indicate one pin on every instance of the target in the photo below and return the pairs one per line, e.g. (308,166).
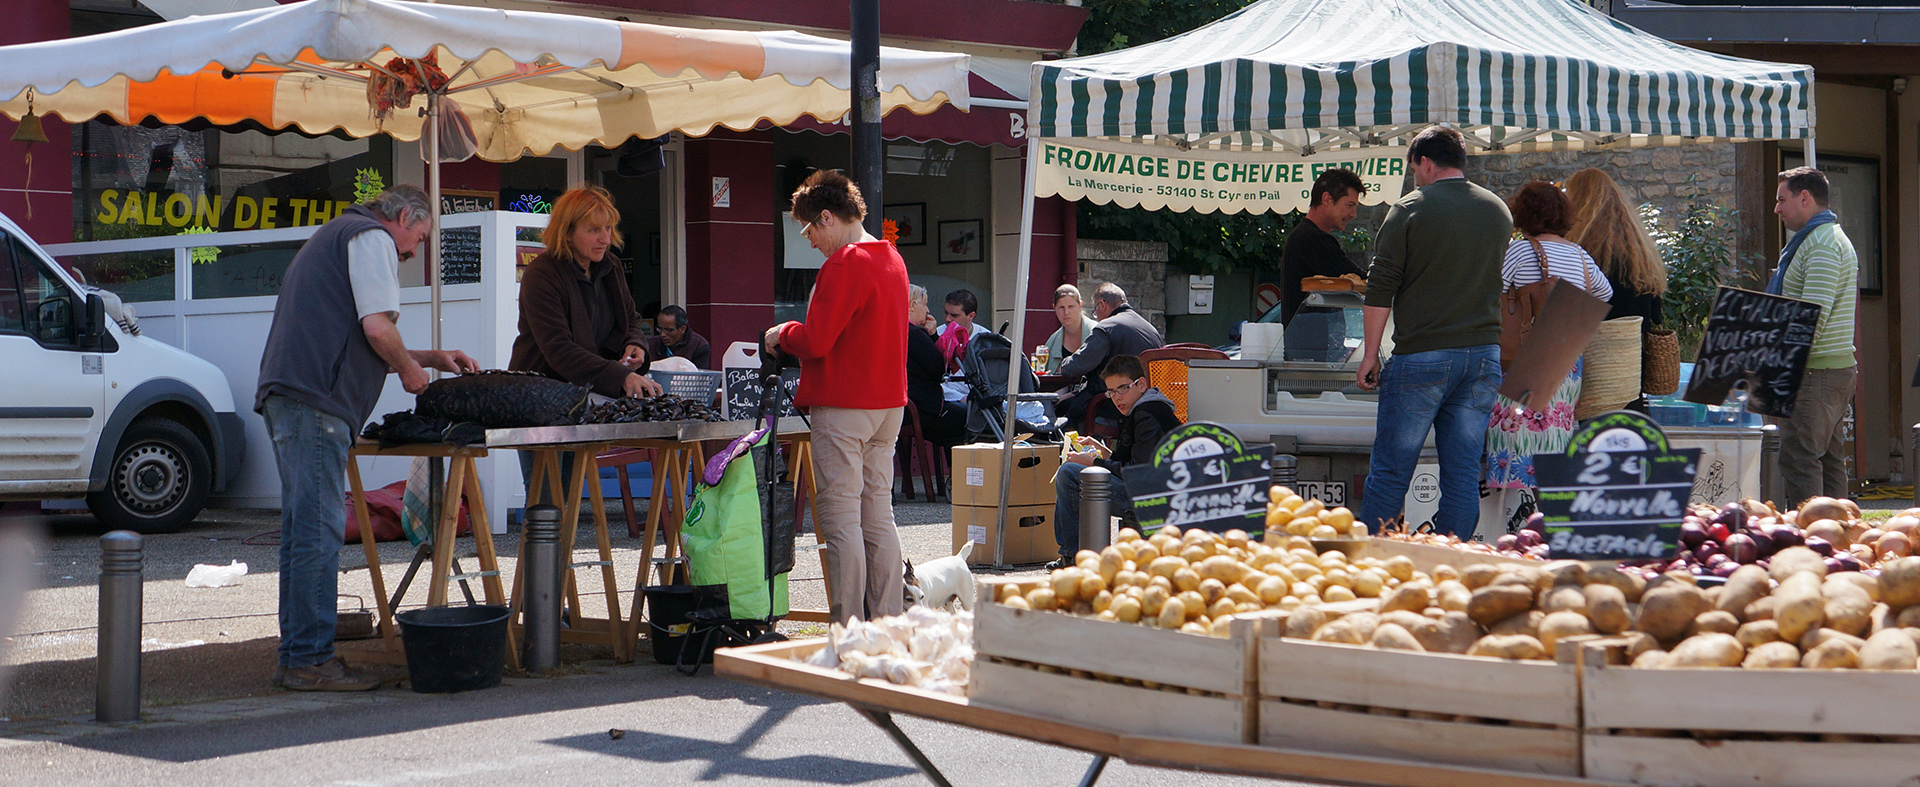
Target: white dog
(936,583)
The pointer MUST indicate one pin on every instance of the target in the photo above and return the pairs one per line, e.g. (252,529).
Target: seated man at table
(674,338)
(1145,417)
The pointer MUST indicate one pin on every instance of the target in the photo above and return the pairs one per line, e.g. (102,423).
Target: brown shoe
(333,675)
(279,679)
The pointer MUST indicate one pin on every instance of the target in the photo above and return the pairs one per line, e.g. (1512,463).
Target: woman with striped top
(1542,214)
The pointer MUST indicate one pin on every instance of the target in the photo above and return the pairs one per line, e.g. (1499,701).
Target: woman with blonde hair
(1607,226)
(577,321)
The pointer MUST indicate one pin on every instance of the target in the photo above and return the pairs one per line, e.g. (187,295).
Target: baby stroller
(984,368)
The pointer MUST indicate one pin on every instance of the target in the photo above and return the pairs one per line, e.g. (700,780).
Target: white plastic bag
(205,576)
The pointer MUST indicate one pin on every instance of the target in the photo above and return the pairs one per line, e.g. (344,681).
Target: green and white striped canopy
(1302,76)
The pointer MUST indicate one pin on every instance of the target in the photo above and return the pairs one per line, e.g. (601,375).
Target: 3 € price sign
(1201,476)
(1618,493)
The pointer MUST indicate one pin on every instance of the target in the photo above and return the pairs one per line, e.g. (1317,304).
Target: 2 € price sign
(1615,504)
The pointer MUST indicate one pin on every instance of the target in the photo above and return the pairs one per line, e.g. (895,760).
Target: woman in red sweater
(853,378)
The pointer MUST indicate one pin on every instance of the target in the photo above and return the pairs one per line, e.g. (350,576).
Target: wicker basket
(1660,363)
(1612,374)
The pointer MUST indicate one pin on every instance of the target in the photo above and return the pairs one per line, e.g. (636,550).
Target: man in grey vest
(333,342)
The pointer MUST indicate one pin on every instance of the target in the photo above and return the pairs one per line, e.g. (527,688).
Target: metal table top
(674,431)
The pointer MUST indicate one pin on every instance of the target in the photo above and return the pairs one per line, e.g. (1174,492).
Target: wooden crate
(1043,664)
(1714,727)
(1426,707)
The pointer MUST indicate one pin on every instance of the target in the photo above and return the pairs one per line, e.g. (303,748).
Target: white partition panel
(479,318)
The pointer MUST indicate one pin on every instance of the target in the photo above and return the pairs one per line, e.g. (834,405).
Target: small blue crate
(701,386)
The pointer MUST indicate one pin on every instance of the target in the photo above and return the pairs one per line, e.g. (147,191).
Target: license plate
(1331,493)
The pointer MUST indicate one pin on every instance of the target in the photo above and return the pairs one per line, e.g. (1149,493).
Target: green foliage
(1118,24)
(1699,253)
(1198,242)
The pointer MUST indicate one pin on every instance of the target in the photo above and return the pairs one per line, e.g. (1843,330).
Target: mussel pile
(503,400)
(665,407)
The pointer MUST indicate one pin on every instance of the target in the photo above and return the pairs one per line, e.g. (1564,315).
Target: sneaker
(333,675)
(1063,562)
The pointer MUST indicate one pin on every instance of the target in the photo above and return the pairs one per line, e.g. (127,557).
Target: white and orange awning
(528,82)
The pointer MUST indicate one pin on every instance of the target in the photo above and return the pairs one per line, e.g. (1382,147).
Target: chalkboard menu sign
(460,248)
(1758,342)
(1617,493)
(1201,476)
(743,392)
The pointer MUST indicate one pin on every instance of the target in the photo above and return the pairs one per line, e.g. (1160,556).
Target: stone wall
(1657,175)
(1140,268)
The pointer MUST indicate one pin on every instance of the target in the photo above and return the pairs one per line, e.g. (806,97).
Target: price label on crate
(1202,476)
(1617,493)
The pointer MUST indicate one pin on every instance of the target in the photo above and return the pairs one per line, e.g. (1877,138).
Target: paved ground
(209,716)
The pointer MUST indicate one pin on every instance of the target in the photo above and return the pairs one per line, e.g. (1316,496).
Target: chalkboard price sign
(1623,504)
(460,255)
(458,201)
(743,392)
(1756,341)
(1201,476)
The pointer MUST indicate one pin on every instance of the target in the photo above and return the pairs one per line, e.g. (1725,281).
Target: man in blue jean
(1436,270)
(333,341)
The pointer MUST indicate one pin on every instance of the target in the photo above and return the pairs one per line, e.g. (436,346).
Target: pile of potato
(1198,581)
(1791,614)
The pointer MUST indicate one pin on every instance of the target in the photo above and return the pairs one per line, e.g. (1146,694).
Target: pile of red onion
(1717,541)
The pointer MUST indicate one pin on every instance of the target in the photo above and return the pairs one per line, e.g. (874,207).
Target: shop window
(241,270)
(141,182)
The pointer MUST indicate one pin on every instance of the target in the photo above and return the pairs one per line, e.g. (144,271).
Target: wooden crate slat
(1426,556)
(1684,762)
(1790,700)
(1108,706)
(1534,691)
(1107,648)
(1523,749)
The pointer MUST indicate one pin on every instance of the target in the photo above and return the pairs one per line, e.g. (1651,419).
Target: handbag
(1659,362)
(1520,305)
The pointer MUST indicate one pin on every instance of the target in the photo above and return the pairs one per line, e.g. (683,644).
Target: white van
(90,408)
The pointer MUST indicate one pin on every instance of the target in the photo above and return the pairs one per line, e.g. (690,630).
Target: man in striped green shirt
(1817,265)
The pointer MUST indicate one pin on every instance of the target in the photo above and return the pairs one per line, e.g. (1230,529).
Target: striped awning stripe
(1516,74)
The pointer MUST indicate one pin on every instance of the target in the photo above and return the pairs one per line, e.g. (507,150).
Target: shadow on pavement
(731,758)
(303,726)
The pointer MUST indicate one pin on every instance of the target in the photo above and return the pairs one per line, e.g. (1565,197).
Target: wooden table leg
(373,554)
(584,464)
(569,528)
(445,533)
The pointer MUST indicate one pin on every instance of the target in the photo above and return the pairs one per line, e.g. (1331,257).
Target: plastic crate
(701,386)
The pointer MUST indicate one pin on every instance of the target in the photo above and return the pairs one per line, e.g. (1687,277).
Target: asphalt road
(217,643)
(676,730)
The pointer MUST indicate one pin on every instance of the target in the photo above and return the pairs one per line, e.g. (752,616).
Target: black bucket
(453,649)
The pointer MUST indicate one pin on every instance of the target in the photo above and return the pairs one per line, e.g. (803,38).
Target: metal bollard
(1770,482)
(117,682)
(543,588)
(1283,470)
(1096,523)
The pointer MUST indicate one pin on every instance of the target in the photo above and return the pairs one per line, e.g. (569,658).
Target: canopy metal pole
(430,136)
(1813,159)
(1013,358)
(869,168)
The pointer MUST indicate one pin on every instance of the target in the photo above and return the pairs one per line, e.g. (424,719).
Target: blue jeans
(1066,505)
(1450,392)
(311,449)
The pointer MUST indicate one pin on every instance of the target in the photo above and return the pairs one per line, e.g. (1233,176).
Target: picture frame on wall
(910,219)
(962,241)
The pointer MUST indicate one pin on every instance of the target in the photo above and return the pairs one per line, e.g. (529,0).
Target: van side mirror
(93,325)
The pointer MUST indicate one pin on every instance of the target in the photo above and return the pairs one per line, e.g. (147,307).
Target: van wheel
(158,481)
